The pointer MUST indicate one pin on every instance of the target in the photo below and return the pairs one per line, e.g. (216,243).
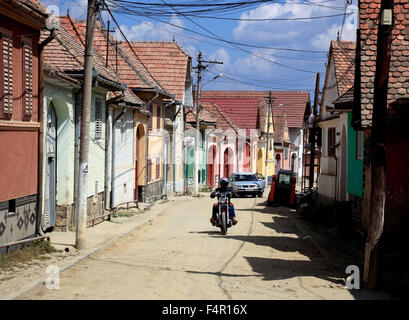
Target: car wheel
(260,195)
(253,195)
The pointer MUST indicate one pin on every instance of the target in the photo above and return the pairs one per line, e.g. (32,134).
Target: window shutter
(150,119)
(98,118)
(6,77)
(158,117)
(149,170)
(157,168)
(28,80)
(331,142)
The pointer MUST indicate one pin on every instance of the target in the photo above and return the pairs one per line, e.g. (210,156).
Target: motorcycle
(223,216)
(307,203)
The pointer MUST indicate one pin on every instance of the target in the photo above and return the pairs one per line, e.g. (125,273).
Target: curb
(98,248)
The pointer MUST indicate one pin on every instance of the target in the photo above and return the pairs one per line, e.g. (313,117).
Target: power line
(130,46)
(271,19)
(130,12)
(244,50)
(261,86)
(224,46)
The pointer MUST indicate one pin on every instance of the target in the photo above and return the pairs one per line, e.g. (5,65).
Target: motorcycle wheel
(223,226)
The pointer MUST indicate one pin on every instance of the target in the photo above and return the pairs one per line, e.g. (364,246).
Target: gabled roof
(204,116)
(345,102)
(280,126)
(242,106)
(343,53)
(220,117)
(398,87)
(65,55)
(242,109)
(131,71)
(166,61)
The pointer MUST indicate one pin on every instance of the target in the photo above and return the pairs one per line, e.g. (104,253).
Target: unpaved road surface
(179,255)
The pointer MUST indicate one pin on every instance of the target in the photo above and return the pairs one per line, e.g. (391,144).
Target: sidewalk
(17,282)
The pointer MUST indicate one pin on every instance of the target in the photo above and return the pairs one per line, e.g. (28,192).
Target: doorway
(51,169)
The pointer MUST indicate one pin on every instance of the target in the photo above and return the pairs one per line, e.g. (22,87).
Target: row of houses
(142,125)
(344,125)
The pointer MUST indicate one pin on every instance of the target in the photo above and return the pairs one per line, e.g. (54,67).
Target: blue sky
(248,69)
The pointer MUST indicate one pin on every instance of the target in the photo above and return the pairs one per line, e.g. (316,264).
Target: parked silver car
(244,183)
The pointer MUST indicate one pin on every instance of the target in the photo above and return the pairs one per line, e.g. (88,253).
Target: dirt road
(179,255)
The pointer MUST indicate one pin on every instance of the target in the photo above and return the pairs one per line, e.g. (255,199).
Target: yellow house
(265,157)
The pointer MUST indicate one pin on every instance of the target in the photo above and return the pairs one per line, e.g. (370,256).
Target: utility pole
(377,155)
(313,131)
(268,133)
(200,67)
(81,215)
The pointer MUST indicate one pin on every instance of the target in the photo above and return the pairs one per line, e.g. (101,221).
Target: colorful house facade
(169,63)
(340,176)
(20,118)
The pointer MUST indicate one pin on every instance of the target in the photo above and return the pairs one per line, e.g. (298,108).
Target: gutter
(40,171)
(97,78)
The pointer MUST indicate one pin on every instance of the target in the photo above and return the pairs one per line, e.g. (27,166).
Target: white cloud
(148,30)
(294,33)
(322,40)
(223,56)
(252,64)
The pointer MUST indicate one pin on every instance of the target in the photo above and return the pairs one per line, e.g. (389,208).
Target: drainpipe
(113,156)
(147,105)
(40,171)
(163,147)
(108,130)
(108,134)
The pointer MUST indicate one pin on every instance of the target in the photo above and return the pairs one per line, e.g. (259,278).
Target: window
(149,170)
(98,118)
(286,153)
(6,74)
(150,119)
(331,142)
(157,168)
(27,79)
(123,127)
(158,115)
(359,145)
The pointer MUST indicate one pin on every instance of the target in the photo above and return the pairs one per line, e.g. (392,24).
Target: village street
(179,255)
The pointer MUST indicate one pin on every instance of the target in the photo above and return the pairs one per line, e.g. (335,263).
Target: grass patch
(25,254)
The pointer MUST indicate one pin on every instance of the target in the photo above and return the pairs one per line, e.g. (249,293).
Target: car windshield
(245,177)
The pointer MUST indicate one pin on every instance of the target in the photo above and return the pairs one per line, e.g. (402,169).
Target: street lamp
(214,78)
(196,162)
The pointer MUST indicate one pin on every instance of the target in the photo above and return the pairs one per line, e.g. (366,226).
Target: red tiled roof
(280,125)
(167,61)
(243,106)
(343,53)
(220,117)
(399,67)
(34,4)
(241,109)
(65,54)
(129,70)
(204,116)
